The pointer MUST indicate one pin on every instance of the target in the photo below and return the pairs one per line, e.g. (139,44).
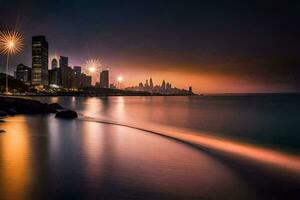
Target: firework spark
(11,42)
(92,68)
(92,65)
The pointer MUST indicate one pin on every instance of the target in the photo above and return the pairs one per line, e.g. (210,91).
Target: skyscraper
(66,72)
(77,77)
(146,84)
(163,85)
(39,60)
(63,61)
(54,76)
(151,83)
(104,79)
(54,63)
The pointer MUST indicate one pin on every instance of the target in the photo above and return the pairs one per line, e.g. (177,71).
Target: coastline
(97,95)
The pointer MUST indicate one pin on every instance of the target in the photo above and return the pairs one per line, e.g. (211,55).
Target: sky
(213,46)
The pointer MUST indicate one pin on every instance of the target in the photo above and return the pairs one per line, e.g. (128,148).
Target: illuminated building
(39,60)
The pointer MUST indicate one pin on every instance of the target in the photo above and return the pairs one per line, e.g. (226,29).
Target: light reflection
(15,169)
(255,153)
(92,144)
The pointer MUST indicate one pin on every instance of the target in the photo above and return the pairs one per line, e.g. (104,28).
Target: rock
(55,106)
(66,114)
(3,113)
(12,111)
(13,105)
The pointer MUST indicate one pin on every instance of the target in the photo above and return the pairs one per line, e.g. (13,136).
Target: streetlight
(120,80)
(11,43)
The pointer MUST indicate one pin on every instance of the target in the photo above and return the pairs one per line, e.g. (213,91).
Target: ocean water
(112,151)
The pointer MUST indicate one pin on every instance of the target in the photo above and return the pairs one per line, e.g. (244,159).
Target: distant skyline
(214,46)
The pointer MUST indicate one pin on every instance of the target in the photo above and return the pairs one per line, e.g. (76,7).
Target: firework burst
(92,68)
(92,65)
(11,42)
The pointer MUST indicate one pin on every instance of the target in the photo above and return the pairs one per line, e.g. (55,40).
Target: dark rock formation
(3,113)
(66,114)
(12,106)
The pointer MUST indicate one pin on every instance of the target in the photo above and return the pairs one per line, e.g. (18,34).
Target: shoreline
(96,95)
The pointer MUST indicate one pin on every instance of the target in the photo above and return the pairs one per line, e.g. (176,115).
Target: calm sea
(42,157)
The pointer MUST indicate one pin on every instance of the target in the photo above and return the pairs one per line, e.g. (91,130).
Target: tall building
(66,72)
(163,85)
(63,61)
(54,76)
(23,73)
(104,79)
(54,73)
(146,84)
(190,90)
(54,63)
(39,60)
(77,77)
(151,83)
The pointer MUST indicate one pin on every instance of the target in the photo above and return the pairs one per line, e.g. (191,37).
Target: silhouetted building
(66,72)
(54,76)
(77,69)
(190,90)
(163,85)
(63,61)
(151,83)
(54,63)
(23,73)
(104,79)
(165,88)
(86,80)
(168,86)
(39,60)
(77,77)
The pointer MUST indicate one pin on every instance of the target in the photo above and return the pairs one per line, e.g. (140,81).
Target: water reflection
(15,160)
(47,158)
(92,148)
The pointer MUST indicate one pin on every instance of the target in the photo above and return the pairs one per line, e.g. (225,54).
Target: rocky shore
(15,105)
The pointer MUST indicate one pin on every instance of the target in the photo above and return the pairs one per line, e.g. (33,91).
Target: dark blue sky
(251,45)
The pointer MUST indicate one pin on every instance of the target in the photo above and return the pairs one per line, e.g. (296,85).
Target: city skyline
(60,73)
(227,47)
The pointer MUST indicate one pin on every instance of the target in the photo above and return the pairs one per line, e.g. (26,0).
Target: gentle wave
(263,155)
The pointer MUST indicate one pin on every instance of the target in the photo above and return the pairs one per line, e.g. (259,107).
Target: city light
(120,78)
